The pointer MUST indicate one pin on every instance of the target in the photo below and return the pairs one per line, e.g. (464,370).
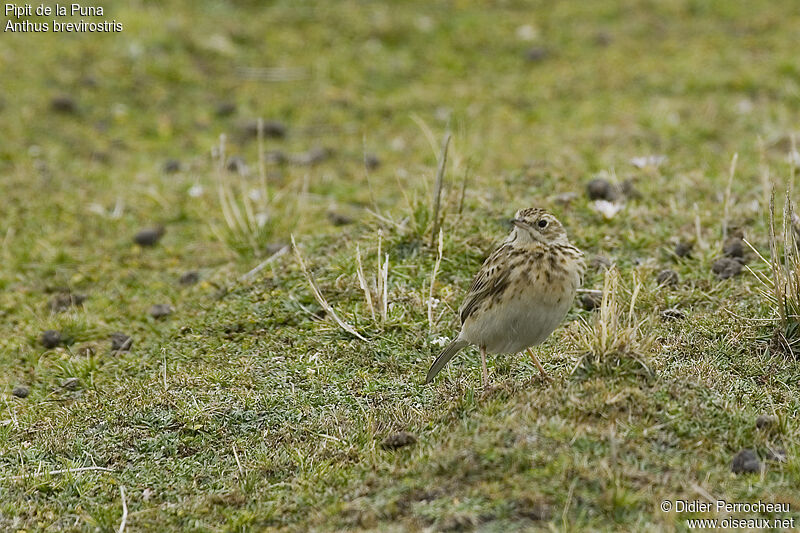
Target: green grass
(253,369)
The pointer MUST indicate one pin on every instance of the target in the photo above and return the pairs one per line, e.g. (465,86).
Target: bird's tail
(442,359)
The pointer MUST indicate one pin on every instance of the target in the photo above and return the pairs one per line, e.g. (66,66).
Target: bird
(521,293)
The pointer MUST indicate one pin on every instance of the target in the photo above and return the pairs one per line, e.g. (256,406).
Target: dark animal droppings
(536,54)
(63,104)
(271,128)
(63,301)
(275,129)
(338,219)
(50,338)
(189,278)
(684,249)
(171,166)
(667,277)
(371,161)
(160,310)
(398,440)
(149,236)
(725,267)
(766,421)
(120,342)
(733,247)
(745,462)
(591,300)
(225,109)
(600,189)
(236,164)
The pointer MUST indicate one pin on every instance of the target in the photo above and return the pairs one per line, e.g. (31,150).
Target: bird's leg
(538,364)
(485,375)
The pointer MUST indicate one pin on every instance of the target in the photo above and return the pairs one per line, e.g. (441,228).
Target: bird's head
(537,225)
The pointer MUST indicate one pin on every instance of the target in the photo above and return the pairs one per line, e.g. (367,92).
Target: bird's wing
(490,280)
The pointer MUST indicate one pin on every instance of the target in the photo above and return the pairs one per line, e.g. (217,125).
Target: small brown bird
(521,293)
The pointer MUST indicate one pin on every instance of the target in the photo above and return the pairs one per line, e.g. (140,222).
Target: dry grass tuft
(253,213)
(320,298)
(422,218)
(375,289)
(614,336)
(782,289)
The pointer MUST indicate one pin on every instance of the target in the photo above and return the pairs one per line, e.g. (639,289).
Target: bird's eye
(542,223)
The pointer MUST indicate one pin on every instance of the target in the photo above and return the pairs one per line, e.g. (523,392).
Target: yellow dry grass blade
(320,298)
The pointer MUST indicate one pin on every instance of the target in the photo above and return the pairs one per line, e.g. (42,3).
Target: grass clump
(424,214)
(321,299)
(375,288)
(781,289)
(614,339)
(254,214)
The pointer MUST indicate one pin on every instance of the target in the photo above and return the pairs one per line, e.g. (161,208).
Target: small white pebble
(648,161)
(440,341)
(119,110)
(527,32)
(424,24)
(398,144)
(744,106)
(793,158)
(135,50)
(606,208)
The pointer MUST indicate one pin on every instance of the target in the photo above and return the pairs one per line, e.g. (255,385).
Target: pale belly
(518,323)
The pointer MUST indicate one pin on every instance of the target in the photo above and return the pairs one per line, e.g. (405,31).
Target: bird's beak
(518,223)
